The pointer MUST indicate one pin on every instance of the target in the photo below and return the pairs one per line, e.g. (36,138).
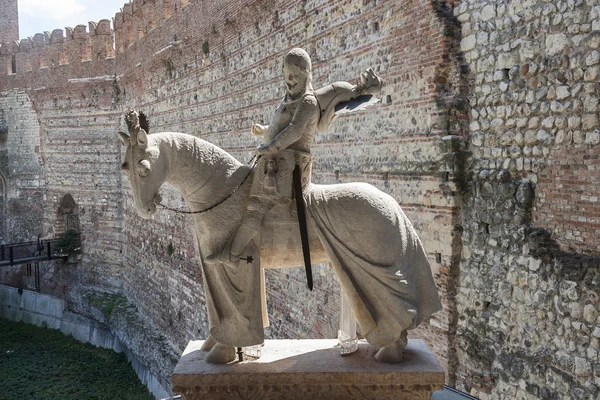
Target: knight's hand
(371,82)
(258,130)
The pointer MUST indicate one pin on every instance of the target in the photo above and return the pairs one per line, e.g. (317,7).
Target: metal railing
(28,252)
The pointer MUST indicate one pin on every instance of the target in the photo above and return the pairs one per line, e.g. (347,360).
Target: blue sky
(37,16)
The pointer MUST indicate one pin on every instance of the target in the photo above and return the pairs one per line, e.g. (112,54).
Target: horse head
(144,164)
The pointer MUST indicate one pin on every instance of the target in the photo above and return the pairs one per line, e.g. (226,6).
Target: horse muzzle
(148,210)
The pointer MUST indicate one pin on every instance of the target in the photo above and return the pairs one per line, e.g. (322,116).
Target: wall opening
(67,215)
(63,57)
(43,60)
(86,50)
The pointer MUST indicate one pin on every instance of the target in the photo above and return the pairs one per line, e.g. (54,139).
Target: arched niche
(67,215)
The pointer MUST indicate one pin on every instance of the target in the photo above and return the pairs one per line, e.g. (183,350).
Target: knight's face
(295,80)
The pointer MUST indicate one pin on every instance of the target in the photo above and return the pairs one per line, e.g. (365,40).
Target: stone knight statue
(360,231)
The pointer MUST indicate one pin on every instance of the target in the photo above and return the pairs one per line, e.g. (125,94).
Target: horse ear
(124,138)
(142,138)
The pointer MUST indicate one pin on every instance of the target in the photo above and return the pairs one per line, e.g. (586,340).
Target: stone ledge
(290,369)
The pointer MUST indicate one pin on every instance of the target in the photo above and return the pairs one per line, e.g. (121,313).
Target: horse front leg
(393,352)
(220,354)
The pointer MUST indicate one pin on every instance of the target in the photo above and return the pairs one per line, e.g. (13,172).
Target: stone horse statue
(359,230)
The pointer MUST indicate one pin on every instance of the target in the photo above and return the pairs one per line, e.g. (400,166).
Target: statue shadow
(569,265)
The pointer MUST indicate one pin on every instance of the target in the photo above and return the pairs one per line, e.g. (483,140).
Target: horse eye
(144,168)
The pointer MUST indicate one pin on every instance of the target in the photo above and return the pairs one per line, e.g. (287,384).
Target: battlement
(52,49)
(82,51)
(139,17)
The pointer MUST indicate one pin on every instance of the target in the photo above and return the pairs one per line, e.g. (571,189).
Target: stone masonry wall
(9,15)
(529,276)
(21,169)
(61,112)
(78,128)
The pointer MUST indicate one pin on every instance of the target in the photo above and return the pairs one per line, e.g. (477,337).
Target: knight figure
(300,114)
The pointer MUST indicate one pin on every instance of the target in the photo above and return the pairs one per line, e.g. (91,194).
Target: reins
(252,161)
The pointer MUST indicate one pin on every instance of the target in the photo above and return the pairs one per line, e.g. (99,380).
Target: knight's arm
(306,111)
(339,92)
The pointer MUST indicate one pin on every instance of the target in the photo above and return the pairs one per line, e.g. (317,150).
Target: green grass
(37,363)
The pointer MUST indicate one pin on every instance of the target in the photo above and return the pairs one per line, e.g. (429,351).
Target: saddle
(278,180)
(273,175)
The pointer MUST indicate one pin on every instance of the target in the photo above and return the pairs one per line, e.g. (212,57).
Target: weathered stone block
(487,12)
(583,367)
(556,43)
(468,43)
(81,333)
(593,138)
(589,121)
(42,304)
(590,313)
(56,308)
(299,368)
(29,300)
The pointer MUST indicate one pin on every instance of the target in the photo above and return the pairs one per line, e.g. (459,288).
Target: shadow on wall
(571,266)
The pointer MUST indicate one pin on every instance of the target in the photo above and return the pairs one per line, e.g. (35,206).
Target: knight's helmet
(300,58)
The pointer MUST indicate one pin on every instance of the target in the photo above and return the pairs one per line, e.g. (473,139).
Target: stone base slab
(310,370)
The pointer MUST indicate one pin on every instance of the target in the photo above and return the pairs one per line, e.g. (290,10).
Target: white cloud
(50,9)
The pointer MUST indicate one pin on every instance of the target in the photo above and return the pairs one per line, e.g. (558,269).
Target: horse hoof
(392,353)
(220,354)
(208,344)
(389,354)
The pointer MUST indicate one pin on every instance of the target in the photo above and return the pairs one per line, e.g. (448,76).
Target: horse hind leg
(347,336)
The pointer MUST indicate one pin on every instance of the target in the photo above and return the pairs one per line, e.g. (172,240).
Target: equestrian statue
(270,215)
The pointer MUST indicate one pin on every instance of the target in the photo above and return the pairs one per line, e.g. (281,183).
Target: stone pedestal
(310,370)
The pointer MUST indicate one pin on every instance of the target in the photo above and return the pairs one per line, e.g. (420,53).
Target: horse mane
(144,122)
